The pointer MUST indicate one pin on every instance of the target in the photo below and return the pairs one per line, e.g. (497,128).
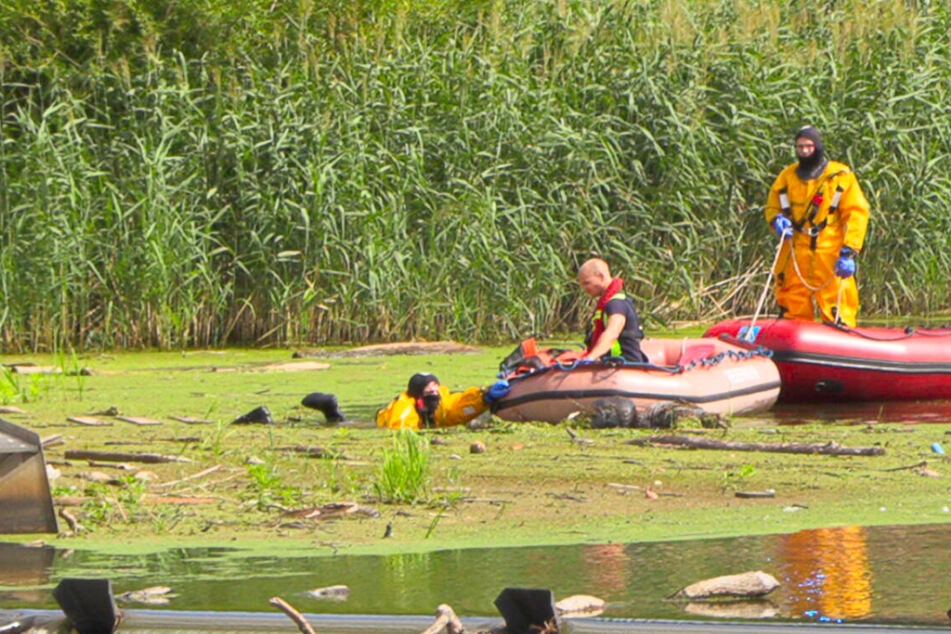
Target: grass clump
(404,473)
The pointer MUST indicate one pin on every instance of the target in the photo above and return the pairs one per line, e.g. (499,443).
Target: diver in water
(428,403)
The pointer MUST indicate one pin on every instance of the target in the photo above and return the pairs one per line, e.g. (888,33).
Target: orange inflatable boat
(715,376)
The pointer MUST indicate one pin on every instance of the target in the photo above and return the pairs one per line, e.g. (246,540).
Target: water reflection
(830,570)
(606,566)
(911,412)
(25,570)
(852,574)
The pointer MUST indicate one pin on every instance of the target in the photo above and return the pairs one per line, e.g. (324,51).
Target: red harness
(598,327)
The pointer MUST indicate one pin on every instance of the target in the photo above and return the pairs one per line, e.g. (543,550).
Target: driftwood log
(831,448)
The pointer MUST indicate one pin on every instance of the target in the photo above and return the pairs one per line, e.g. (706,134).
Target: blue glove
(496,391)
(783,226)
(845,265)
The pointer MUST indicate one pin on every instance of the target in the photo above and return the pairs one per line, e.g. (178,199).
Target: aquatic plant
(269,488)
(403,476)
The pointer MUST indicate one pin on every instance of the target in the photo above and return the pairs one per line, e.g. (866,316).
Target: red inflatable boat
(825,362)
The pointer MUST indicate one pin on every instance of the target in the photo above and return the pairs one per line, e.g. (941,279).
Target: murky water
(885,575)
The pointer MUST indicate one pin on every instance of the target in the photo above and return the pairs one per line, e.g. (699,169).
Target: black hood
(813,165)
(418,383)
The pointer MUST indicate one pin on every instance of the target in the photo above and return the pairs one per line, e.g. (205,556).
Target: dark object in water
(666,414)
(24,485)
(526,608)
(622,412)
(614,412)
(257,415)
(325,403)
(88,604)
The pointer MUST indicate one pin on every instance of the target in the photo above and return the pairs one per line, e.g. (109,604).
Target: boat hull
(715,376)
(825,363)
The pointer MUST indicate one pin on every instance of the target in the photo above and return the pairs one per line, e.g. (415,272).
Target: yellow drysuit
(828,213)
(454,409)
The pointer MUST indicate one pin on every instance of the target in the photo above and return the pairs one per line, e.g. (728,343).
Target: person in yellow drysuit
(426,403)
(818,209)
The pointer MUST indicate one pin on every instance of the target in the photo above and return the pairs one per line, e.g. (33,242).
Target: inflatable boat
(828,363)
(715,376)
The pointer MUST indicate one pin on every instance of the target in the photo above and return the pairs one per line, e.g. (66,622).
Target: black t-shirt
(632,333)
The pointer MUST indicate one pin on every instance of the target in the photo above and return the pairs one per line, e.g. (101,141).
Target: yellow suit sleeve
(460,407)
(400,413)
(773,207)
(854,212)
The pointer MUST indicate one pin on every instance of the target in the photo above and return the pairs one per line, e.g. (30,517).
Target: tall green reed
(350,174)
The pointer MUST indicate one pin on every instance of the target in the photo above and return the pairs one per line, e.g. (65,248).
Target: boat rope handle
(940,331)
(736,355)
(620,362)
(908,333)
(611,362)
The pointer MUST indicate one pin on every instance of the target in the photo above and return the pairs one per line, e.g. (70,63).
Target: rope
(813,289)
(908,332)
(838,303)
(750,336)
(736,355)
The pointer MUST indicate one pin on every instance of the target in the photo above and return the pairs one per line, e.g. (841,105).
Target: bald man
(615,326)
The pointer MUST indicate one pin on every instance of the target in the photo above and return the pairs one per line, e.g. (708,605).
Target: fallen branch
(311,452)
(447,620)
(139,420)
(294,615)
(151,458)
(74,524)
(830,448)
(89,421)
(917,465)
(768,493)
(624,487)
(194,476)
(578,439)
(53,441)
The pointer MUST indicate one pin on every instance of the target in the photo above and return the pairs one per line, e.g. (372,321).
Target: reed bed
(374,172)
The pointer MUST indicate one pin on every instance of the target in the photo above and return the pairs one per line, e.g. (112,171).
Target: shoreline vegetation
(298,486)
(208,174)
